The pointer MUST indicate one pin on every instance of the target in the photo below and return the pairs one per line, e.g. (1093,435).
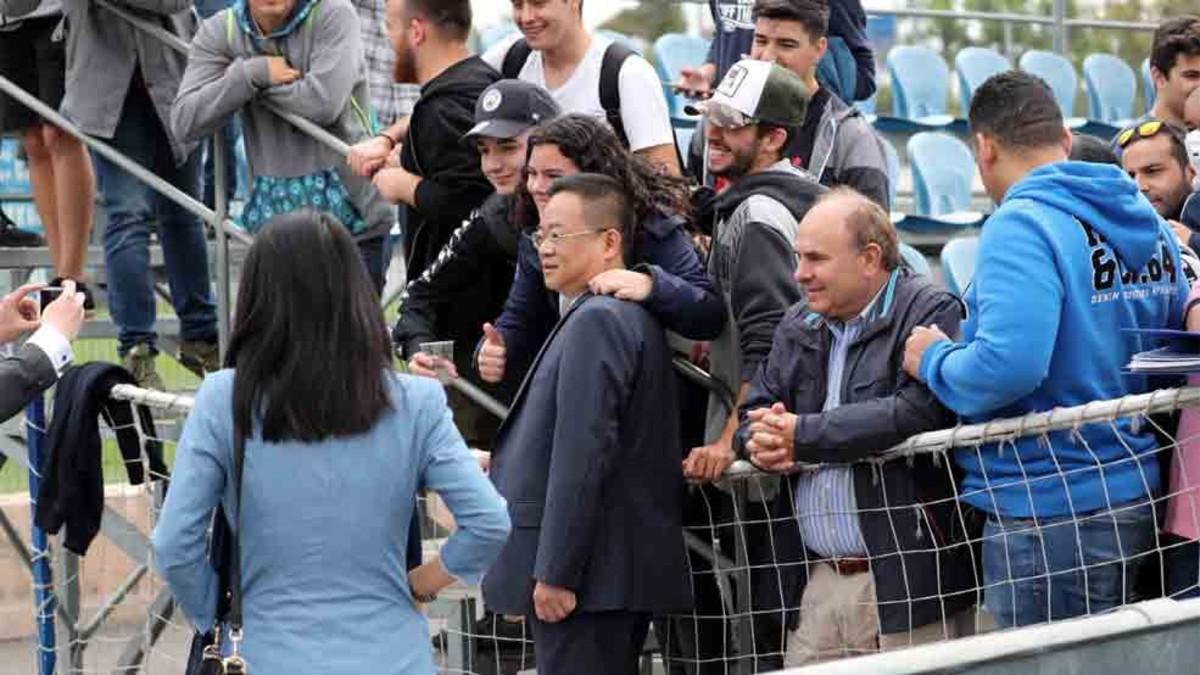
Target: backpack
(610,78)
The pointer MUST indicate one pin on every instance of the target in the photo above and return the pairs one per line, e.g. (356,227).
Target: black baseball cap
(509,108)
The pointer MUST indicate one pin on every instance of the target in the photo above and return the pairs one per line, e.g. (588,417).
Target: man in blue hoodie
(1071,257)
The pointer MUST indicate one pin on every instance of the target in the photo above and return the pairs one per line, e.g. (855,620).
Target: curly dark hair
(593,147)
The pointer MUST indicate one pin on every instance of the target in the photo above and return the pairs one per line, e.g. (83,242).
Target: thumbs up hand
(491,355)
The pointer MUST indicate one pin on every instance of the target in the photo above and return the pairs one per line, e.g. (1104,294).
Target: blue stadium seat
(15,190)
(867,107)
(942,172)
(920,82)
(1111,88)
(958,263)
(915,260)
(492,35)
(837,70)
(1058,73)
(974,66)
(14,176)
(636,44)
(1148,92)
(672,53)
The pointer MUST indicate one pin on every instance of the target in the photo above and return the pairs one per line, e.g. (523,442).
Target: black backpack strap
(610,86)
(514,59)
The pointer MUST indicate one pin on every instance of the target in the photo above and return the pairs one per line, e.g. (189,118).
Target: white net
(990,527)
(106,611)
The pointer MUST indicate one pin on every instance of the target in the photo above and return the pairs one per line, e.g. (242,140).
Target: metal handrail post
(221,202)
(45,602)
(1060,27)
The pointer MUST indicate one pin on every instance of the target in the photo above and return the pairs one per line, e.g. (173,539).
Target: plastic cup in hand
(440,350)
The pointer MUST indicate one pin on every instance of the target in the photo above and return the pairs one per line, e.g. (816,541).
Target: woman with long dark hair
(335,446)
(667,276)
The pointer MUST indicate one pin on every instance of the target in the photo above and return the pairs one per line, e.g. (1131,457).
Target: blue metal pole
(43,578)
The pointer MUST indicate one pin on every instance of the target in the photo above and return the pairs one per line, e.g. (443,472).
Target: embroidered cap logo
(491,100)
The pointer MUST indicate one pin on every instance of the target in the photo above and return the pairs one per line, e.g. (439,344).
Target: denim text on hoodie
(1073,255)
(227,73)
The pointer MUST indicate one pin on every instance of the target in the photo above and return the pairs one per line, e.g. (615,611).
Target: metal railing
(731,572)
(1058,21)
(729,562)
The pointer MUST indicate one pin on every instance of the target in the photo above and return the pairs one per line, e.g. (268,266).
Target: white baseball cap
(755,91)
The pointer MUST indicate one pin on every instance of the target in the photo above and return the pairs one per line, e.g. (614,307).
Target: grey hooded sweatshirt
(227,73)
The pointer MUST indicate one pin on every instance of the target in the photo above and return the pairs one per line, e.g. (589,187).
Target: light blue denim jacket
(324,531)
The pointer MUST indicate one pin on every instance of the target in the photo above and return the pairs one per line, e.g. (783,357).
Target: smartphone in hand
(48,295)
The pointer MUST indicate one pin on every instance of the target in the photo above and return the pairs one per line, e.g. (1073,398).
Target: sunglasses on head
(1143,130)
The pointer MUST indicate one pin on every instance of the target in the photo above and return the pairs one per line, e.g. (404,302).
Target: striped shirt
(826,507)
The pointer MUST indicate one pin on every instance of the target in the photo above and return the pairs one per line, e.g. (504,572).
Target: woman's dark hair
(309,344)
(593,147)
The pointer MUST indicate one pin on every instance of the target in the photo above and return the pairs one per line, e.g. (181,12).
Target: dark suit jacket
(588,460)
(23,377)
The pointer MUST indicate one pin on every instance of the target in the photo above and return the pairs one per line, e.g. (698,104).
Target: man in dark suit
(588,459)
(38,363)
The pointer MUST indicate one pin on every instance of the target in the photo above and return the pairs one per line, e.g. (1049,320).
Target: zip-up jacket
(752,264)
(918,544)
(452,183)
(472,275)
(848,152)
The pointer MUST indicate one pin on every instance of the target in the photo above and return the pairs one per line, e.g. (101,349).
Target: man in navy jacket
(880,549)
(588,459)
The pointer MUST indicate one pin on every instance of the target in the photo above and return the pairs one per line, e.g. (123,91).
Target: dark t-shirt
(800,148)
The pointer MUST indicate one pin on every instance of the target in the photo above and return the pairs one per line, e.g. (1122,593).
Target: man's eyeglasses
(1145,130)
(555,238)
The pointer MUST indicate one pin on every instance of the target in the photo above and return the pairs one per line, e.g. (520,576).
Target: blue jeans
(132,208)
(1065,567)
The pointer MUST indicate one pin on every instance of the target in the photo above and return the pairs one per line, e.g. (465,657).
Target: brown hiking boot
(200,357)
(140,362)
